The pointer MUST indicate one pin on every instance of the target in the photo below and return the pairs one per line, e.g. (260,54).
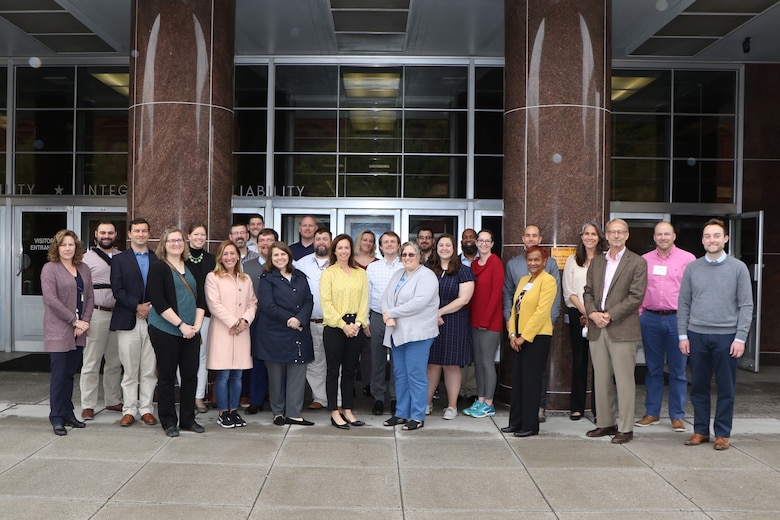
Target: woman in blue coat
(283,336)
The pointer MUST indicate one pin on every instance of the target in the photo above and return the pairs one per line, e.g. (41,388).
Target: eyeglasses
(408,255)
(425,237)
(175,241)
(616,232)
(484,241)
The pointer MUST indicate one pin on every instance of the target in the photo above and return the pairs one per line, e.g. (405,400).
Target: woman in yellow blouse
(344,300)
(530,332)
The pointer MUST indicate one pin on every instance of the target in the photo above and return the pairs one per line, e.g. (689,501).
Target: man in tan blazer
(614,290)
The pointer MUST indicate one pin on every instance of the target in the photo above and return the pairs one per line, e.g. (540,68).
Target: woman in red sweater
(486,323)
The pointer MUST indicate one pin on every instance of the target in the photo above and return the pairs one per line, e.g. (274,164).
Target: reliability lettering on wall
(269,191)
(103,190)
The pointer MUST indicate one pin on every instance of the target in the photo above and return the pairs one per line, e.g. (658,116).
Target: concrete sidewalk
(465,468)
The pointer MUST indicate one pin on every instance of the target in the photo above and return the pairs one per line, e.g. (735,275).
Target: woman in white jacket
(410,309)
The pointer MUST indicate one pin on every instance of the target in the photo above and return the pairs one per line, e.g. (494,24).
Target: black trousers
(528,365)
(341,354)
(63,367)
(579,364)
(175,352)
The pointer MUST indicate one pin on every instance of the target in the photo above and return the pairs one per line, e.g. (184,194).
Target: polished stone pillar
(556,138)
(181,114)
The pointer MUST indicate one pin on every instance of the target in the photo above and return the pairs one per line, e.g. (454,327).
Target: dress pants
(316,371)
(659,337)
(342,355)
(203,373)
(63,367)
(175,352)
(411,378)
(140,369)
(286,386)
(379,355)
(258,382)
(579,364)
(528,366)
(616,358)
(101,343)
(710,355)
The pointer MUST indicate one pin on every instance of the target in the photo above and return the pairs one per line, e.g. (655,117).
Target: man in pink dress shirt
(658,320)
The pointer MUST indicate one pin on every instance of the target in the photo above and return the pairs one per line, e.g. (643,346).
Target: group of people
(268,317)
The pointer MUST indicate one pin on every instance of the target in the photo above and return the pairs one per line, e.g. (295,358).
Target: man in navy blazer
(129,271)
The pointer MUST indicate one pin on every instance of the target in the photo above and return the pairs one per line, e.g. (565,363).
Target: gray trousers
(286,386)
(379,354)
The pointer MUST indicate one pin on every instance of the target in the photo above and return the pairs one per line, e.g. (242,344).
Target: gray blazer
(415,307)
(59,303)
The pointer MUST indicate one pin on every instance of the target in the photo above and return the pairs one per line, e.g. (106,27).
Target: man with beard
(305,246)
(239,235)
(468,246)
(255,224)
(425,243)
(101,342)
(312,265)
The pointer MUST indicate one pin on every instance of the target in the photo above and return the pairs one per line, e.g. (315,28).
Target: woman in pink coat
(232,302)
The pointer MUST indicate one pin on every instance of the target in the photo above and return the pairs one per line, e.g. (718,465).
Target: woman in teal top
(178,307)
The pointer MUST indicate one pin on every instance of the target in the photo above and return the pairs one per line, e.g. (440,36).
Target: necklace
(198,259)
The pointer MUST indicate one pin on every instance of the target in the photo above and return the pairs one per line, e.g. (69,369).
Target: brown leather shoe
(115,407)
(126,420)
(696,439)
(622,437)
(678,425)
(252,409)
(721,443)
(87,414)
(648,420)
(148,419)
(315,405)
(601,432)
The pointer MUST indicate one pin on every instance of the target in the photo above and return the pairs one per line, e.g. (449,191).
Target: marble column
(556,139)
(181,114)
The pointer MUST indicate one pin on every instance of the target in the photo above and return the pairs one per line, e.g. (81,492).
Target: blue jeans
(410,368)
(227,387)
(710,354)
(659,337)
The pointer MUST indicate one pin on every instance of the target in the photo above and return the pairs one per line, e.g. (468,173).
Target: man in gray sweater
(714,311)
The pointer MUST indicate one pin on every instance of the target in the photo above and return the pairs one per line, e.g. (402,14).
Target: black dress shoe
(508,429)
(299,422)
(344,426)
(59,429)
(575,417)
(172,431)
(526,433)
(75,423)
(194,427)
(352,423)
(379,408)
(601,432)
(279,420)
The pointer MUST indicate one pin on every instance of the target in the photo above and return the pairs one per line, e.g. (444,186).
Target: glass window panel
(640,180)
(436,87)
(435,132)
(434,176)
(315,173)
(45,87)
(3,127)
(370,185)
(489,177)
(4,189)
(489,87)
(251,133)
(437,223)
(370,131)
(635,135)
(44,174)
(704,137)
(641,91)
(249,175)
(44,130)
(705,92)
(251,84)
(370,87)
(306,86)
(101,174)
(102,131)
(489,132)
(374,165)
(703,181)
(305,131)
(3,89)
(103,87)
(37,225)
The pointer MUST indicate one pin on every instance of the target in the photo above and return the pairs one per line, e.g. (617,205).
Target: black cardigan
(162,291)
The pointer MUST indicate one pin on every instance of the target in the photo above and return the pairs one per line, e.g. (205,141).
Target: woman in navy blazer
(283,338)
(68,302)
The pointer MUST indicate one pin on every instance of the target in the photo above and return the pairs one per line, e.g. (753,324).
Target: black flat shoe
(526,433)
(75,423)
(575,417)
(194,427)
(352,423)
(279,420)
(344,426)
(508,429)
(59,429)
(172,431)
(299,422)
(393,421)
(413,425)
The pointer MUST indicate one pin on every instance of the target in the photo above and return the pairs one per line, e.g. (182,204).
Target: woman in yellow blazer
(530,332)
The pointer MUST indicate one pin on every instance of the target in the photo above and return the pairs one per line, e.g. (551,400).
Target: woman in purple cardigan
(68,302)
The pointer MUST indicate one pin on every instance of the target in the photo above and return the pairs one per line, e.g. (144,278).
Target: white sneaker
(429,409)
(450,413)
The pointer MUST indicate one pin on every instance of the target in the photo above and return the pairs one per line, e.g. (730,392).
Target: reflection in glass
(435,132)
(370,87)
(705,92)
(102,131)
(436,87)
(489,132)
(640,135)
(637,180)
(703,181)
(641,91)
(46,87)
(44,130)
(315,173)
(249,174)
(489,87)
(306,86)
(370,131)
(103,87)
(251,86)
(434,176)
(437,223)
(355,185)
(38,230)
(305,131)
(250,130)
(488,177)
(704,137)
(101,174)
(44,174)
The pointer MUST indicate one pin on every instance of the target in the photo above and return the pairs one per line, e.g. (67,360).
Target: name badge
(659,270)
(528,286)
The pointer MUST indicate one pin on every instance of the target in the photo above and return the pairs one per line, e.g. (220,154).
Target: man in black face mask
(468,246)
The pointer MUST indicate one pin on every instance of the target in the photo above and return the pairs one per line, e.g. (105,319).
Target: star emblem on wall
(58,190)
